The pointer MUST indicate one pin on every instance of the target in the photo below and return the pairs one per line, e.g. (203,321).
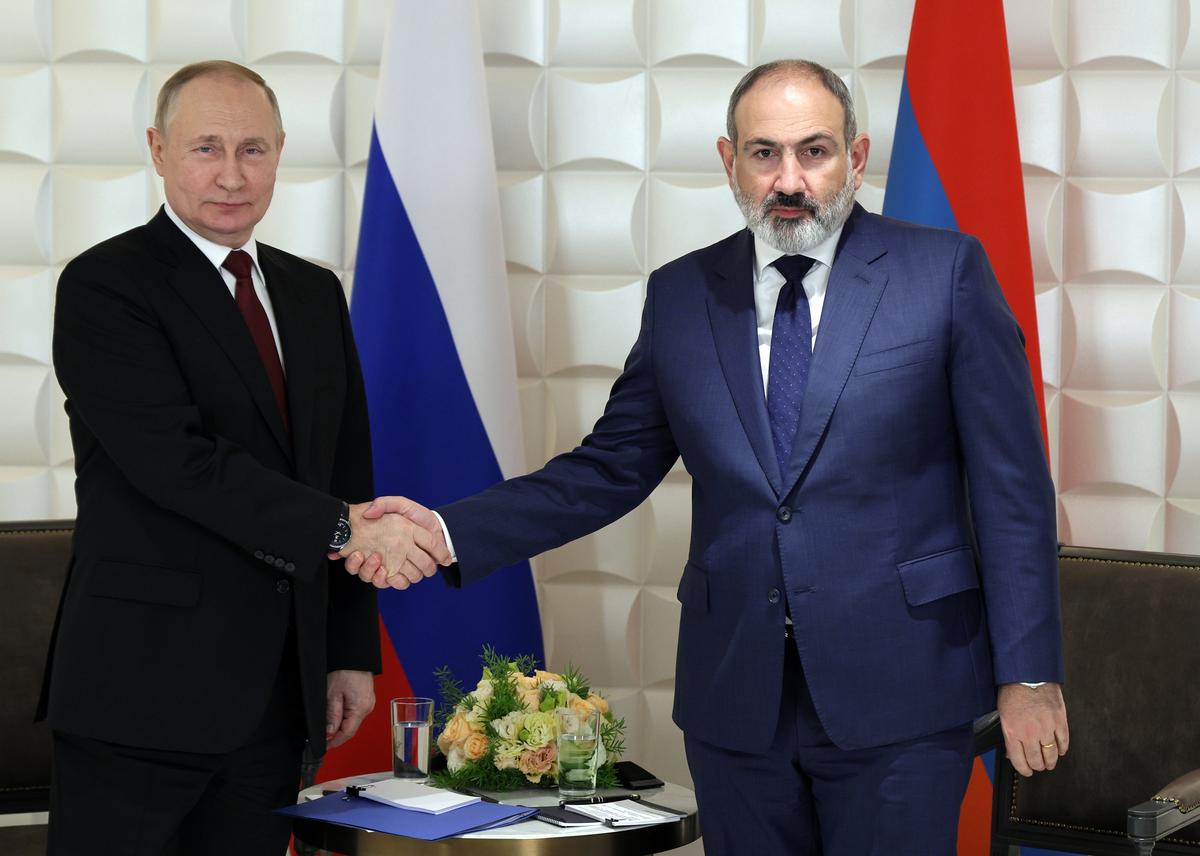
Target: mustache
(790,200)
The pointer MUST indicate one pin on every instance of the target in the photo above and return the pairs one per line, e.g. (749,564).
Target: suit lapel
(296,337)
(201,287)
(853,294)
(735,331)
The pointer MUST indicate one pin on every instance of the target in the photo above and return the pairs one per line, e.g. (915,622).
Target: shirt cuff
(1032,686)
(446,535)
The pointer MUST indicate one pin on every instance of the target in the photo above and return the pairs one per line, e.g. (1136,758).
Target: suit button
(269,559)
(283,586)
(784,514)
(289,567)
(258,554)
(279,563)
(773,596)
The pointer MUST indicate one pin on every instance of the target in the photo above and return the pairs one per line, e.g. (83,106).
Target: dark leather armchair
(33,566)
(1130,782)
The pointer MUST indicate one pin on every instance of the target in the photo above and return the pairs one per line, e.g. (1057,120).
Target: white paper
(417,797)
(623,813)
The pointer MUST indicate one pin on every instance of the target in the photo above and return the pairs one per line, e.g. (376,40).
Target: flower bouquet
(501,735)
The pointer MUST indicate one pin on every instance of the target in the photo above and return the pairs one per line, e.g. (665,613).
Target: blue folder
(367,814)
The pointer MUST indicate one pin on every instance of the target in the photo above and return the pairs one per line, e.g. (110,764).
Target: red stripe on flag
(960,83)
(370,750)
(975,820)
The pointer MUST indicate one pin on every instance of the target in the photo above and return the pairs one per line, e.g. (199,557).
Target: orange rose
(546,677)
(583,707)
(456,730)
(599,702)
(531,697)
(475,747)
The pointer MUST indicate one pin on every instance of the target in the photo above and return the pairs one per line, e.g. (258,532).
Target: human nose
(230,176)
(790,177)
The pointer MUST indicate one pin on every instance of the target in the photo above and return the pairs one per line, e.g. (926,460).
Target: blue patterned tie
(791,352)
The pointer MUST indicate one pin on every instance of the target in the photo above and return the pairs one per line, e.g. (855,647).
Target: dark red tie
(238,263)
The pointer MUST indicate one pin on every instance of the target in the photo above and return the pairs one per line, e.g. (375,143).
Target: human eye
(762,154)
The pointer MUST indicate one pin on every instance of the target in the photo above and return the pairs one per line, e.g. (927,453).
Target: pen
(600,799)
(470,793)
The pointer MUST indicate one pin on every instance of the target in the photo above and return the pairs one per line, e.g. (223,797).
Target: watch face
(341,535)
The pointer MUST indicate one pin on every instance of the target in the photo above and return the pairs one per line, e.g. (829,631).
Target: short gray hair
(169,94)
(803,68)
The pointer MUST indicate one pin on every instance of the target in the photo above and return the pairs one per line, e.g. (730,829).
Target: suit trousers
(133,801)
(806,797)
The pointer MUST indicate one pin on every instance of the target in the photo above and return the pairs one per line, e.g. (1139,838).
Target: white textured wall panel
(700,32)
(25,216)
(597,117)
(114,29)
(26,108)
(1131,35)
(599,34)
(181,30)
(827,27)
(688,117)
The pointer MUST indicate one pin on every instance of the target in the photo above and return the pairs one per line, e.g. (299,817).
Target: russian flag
(431,318)
(956,164)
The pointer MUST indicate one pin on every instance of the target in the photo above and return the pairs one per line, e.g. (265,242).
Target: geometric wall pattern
(604,116)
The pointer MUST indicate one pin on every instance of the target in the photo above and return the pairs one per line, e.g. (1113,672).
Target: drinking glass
(412,722)
(578,743)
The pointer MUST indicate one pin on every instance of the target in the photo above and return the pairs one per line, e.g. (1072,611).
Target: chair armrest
(987,732)
(1171,810)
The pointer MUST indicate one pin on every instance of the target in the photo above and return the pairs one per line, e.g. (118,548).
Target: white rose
(505,754)
(483,691)
(456,759)
(509,726)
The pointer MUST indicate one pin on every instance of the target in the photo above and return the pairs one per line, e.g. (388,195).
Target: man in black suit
(220,426)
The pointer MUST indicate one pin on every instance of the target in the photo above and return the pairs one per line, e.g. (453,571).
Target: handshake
(393,542)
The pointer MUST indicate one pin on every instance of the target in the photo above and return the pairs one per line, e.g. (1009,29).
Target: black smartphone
(631,776)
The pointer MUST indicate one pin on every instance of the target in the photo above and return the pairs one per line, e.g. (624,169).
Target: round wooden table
(528,838)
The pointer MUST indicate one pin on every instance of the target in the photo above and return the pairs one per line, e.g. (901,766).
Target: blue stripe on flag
(429,443)
(914,191)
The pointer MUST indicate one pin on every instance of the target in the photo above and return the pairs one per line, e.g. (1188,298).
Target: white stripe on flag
(431,119)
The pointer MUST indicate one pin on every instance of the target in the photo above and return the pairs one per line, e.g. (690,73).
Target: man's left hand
(1034,722)
(349,697)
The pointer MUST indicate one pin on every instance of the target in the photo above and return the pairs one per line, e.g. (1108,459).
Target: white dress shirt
(217,254)
(768,282)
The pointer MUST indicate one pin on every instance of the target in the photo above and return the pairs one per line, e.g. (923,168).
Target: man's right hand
(406,552)
(372,566)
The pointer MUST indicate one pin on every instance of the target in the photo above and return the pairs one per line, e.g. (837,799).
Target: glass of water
(578,755)
(412,722)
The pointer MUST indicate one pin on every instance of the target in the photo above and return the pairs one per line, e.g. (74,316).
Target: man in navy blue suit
(872,561)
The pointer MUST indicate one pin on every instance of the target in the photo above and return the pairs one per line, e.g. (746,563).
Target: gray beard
(800,235)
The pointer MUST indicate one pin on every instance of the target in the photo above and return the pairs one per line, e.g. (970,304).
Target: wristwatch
(341,534)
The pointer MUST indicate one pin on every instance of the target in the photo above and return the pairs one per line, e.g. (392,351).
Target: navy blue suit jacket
(912,533)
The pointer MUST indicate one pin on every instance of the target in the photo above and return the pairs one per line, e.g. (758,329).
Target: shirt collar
(214,252)
(765,254)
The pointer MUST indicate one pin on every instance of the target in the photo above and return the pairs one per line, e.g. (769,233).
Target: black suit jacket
(202,525)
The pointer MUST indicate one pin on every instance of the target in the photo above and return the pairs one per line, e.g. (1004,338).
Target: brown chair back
(1131,638)
(33,567)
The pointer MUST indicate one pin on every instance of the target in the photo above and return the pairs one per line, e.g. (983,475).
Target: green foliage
(612,734)
(576,682)
(451,692)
